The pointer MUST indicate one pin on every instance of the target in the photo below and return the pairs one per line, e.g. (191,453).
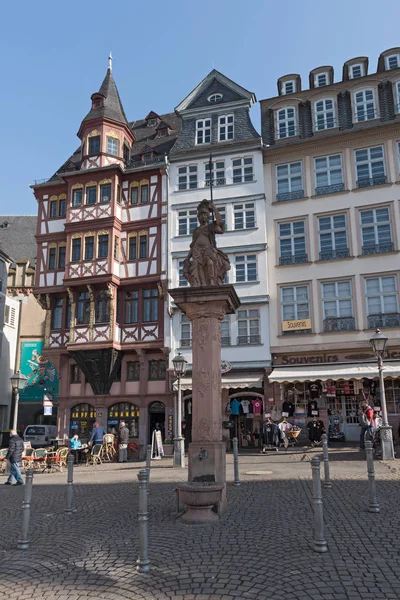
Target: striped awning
(228,381)
(334,372)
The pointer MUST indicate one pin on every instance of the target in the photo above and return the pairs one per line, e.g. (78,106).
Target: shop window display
(82,420)
(244,413)
(127,412)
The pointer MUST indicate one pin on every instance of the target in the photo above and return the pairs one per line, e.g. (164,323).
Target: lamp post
(180,364)
(378,343)
(17,384)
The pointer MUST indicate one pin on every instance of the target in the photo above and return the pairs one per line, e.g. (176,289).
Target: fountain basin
(199,498)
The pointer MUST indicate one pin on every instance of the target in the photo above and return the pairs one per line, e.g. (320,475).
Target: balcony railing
(186,343)
(146,161)
(339,324)
(216,181)
(297,331)
(334,254)
(286,132)
(383,320)
(363,183)
(225,341)
(244,340)
(329,189)
(378,248)
(290,195)
(293,259)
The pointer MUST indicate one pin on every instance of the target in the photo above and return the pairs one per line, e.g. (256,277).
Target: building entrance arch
(156,412)
(83,417)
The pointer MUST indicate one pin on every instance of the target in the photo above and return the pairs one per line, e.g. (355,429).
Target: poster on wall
(41,374)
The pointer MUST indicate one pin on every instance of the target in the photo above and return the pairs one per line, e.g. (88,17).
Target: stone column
(206,307)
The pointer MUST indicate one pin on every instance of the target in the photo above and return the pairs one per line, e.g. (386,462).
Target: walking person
(123,438)
(14,455)
(366,419)
(97,434)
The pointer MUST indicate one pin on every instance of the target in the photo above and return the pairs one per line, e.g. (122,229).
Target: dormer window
(288,87)
(112,146)
(356,71)
(162,132)
(321,79)
(152,123)
(364,105)
(147,157)
(392,61)
(215,98)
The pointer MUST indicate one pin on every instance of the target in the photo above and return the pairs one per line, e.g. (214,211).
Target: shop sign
(159,443)
(47,410)
(296,325)
(170,423)
(225,366)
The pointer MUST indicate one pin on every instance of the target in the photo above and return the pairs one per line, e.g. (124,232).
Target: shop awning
(334,372)
(228,381)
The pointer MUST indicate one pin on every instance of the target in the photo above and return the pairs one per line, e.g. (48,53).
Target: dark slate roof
(112,108)
(146,136)
(17,237)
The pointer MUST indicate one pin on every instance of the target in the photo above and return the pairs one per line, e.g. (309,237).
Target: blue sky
(54,56)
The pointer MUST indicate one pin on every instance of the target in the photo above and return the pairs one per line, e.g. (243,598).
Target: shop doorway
(351,423)
(156,419)
(83,417)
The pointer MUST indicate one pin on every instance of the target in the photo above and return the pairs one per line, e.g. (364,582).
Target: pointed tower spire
(106,102)
(110,61)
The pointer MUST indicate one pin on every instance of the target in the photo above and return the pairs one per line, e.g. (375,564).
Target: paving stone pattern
(261,549)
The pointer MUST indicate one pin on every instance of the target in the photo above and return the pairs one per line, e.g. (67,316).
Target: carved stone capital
(198,310)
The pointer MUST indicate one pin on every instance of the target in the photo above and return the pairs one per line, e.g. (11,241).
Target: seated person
(75,446)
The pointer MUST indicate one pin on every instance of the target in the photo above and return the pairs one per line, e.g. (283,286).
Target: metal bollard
(373,506)
(70,479)
(320,544)
(236,461)
(143,563)
(23,542)
(327,479)
(148,462)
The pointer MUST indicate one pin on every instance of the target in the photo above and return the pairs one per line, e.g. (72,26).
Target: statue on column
(205,264)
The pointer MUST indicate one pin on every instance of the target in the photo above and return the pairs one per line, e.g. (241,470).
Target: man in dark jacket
(97,434)
(123,439)
(14,455)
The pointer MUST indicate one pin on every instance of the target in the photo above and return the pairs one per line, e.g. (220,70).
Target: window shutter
(268,128)
(386,101)
(344,110)
(305,120)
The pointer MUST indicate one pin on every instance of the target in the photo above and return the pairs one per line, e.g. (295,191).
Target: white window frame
(381,294)
(289,177)
(398,155)
(332,231)
(244,213)
(363,106)
(10,314)
(337,300)
(112,146)
(214,98)
(203,131)
(287,118)
(248,319)
(247,264)
(226,331)
(245,166)
(328,120)
(319,169)
(291,82)
(387,61)
(295,302)
(182,281)
(226,128)
(397,96)
(376,225)
(369,161)
(188,218)
(218,173)
(185,332)
(358,66)
(292,236)
(317,84)
(187,177)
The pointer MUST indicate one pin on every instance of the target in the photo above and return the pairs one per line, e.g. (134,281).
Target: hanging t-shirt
(285,426)
(189,408)
(257,406)
(235,405)
(245,406)
(314,390)
(288,407)
(313,408)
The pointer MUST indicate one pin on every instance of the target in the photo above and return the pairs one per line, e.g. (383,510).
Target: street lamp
(17,383)
(180,364)
(378,343)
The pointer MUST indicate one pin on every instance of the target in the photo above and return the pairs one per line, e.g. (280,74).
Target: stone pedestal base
(199,499)
(207,463)
(387,443)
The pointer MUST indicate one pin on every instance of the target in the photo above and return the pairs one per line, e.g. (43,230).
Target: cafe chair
(95,455)
(108,452)
(27,458)
(39,458)
(3,461)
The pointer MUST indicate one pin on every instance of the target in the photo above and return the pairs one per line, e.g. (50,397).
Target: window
(52,258)
(68,315)
(289,87)
(77,197)
(83,308)
(382,302)
(397,97)
(56,315)
(89,247)
(143,245)
(102,308)
(246,268)
(94,144)
(286,122)
(152,123)
(61,257)
(321,79)
(53,208)
(218,173)
(144,194)
(112,146)
(150,306)
(126,153)
(183,282)
(370,166)
(356,71)
(132,250)
(328,174)
(332,232)
(244,215)
(131,307)
(105,192)
(324,114)
(295,303)
(186,332)
(116,248)
(249,326)
(9,315)
(133,370)
(76,249)
(392,61)
(187,221)
(225,128)
(376,230)
(118,194)
(157,369)
(226,331)
(187,177)
(102,246)
(62,206)
(337,299)
(91,193)
(242,169)
(135,194)
(222,214)
(214,98)
(75,374)
(203,131)
(292,243)
(289,181)
(364,105)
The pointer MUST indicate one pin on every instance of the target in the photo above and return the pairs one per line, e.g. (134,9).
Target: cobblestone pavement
(261,548)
